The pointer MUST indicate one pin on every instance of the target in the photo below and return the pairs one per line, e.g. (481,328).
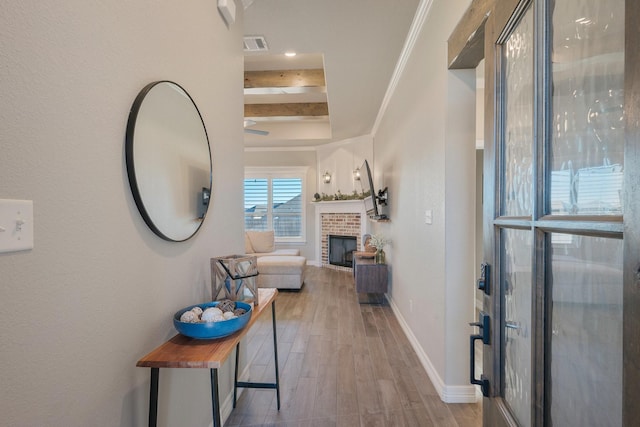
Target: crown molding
(262,149)
(416,27)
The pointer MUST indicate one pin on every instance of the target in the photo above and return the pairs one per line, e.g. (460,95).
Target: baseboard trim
(447,393)
(460,394)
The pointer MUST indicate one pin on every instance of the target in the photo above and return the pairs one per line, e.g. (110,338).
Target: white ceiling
(359,43)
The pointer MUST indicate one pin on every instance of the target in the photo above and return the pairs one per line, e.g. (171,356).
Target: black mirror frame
(130,163)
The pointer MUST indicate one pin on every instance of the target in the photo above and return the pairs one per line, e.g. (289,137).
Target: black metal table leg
(235,376)
(275,351)
(245,384)
(215,402)
(153,397)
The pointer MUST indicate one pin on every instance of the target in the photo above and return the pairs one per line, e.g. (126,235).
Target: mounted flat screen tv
(367,187)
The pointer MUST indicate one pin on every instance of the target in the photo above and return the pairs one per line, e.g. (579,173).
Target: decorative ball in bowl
(216,319)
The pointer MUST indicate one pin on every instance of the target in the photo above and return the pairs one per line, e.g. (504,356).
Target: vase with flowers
(379,242)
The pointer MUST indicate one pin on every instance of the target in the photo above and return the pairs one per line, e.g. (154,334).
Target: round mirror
(168,160)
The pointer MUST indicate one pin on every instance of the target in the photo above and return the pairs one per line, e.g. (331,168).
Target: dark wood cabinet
(369,276)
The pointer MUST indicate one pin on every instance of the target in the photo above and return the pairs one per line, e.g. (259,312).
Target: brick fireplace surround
(344,218)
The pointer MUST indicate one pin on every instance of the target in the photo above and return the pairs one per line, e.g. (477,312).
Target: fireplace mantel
(337,207)
(355,202)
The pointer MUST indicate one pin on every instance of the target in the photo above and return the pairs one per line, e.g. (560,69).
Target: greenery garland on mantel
(339,196)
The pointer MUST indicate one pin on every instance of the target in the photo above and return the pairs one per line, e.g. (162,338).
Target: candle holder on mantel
(234,277)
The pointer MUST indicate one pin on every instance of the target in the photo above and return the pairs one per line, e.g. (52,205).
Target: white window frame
(269,173)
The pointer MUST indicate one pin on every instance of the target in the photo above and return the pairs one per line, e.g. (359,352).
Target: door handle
(485,276)
(512,325)
(483,324)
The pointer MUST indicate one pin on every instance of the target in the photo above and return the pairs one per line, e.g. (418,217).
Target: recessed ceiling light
(290,54)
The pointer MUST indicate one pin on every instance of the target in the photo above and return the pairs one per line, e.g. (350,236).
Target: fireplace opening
(341,250)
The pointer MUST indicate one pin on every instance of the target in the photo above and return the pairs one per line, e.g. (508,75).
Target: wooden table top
(184,352)
(360,254)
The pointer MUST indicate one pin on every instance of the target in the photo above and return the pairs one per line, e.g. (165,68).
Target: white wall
(98,290)
(341,159)
(425,153)
(460,224)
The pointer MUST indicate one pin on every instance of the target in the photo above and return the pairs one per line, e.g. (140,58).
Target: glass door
(563,349)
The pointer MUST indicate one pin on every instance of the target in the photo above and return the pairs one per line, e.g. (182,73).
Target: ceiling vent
(255,44)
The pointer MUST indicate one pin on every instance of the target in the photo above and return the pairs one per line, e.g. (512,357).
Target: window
(273,200)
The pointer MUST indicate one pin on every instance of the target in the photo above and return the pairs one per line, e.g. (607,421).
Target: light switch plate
(428,216)
(16,225)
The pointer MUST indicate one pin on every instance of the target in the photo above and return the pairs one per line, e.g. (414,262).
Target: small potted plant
(379,242)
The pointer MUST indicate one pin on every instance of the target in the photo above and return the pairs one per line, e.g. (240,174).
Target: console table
(184,352)
(369,276)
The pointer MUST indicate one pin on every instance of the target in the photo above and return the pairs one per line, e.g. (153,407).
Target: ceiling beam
(306,109)
(284,78)
(466,43)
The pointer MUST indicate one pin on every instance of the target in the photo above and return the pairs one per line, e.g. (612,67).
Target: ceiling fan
(247,126)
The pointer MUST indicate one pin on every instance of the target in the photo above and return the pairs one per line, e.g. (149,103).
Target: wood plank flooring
(341,364)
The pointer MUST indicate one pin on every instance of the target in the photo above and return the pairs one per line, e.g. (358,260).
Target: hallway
(341,364)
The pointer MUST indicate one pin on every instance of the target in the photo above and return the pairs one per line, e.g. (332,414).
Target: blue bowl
(210,330)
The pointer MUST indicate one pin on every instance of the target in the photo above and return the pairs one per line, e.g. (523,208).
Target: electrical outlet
(16,225)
